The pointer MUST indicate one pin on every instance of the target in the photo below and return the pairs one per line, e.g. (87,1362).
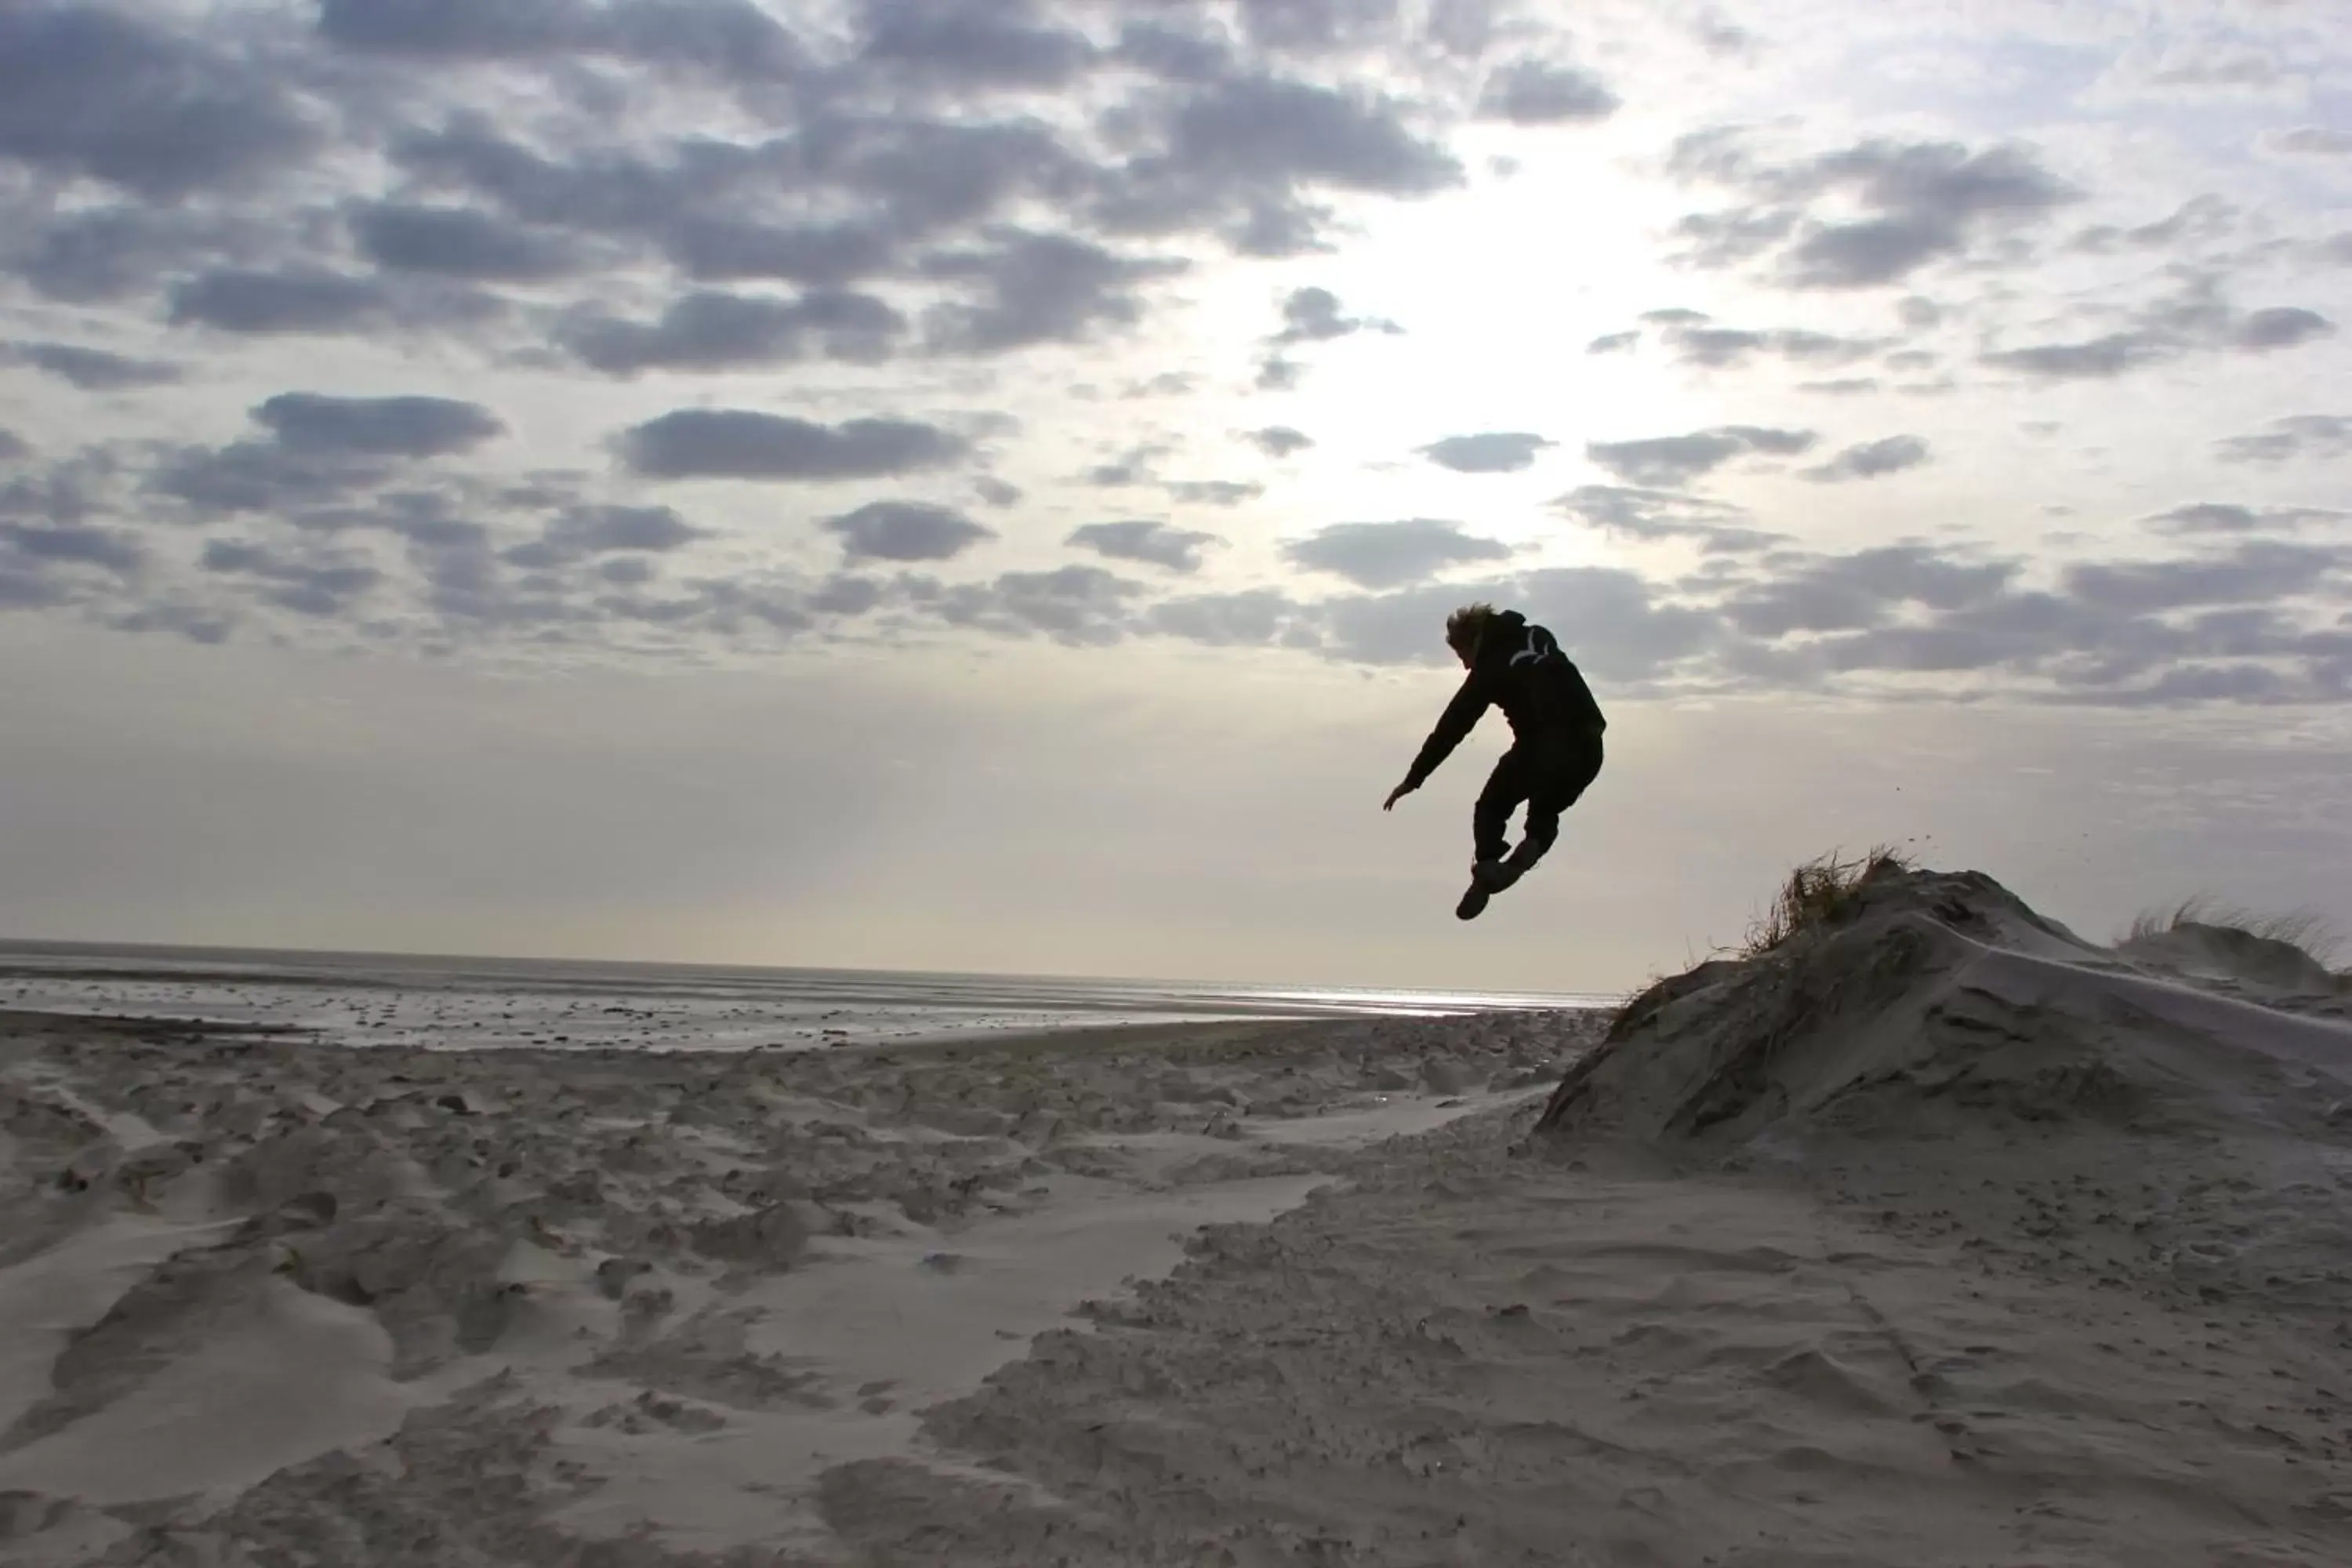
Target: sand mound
(1945,993)
(1934,1235)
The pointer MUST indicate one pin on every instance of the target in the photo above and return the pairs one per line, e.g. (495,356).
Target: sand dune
(1941,1237)
(1936,1235)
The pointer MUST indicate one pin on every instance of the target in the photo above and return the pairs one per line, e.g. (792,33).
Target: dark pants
(1547,773)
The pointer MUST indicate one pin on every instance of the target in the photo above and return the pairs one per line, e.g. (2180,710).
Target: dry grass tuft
(1816,893)
(2314,934)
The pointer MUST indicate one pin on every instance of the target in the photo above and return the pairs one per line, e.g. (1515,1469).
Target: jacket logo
(1539,648)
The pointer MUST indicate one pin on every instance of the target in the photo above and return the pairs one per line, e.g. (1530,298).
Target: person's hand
(1395,796)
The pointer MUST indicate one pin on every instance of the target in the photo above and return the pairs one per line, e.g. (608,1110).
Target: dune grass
(2309,932)
(1816,893)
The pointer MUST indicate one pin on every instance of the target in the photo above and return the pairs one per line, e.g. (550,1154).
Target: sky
(978,484)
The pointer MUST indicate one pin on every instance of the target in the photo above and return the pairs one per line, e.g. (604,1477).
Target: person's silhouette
(1555,753)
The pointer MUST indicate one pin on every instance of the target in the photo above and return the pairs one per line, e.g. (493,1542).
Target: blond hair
(1465,626)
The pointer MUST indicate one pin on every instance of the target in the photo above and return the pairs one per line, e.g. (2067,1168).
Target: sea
(375,998)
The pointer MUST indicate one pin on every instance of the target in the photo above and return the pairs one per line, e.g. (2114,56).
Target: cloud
(2100,358)
(2194,317)
(1840,386)
(1165,383)
(1243,156)
(2257,572)
(300,299)
(1038,288)
(427,520)
(719,248)
(1390,554)
(112,549)
(260,477)
(1918,202)
(1214,492)
(2312,140)
(2218,68)
(1871,460)
(1653,516)
(1278,440)
(1174,53)
(2279,327)
(311,423)
(994,491)
(46,564)
(320,452)
(12,446)
(728,206)
(461,242)
(580,531)
(1083,606)
(1716,347)
(1312,315)
(2224,518)
(906,531)
(697,443)
(322,585)
(1315,26)
(2164,331)
(595,529)
(1278,374)
(997,46)
(1844,593)
(2202,219)
(1666,461)
(91,370)
(94,93)
(1254,618)
(711,330)
(2128,633)
(732,41)
(2296,436)
(306,299)
(1155,543)
(1613,342)
(1535,92)
(1489,452)
(2223,67)
(1132,466)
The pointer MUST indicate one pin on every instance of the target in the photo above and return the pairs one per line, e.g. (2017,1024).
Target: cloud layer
(643,327)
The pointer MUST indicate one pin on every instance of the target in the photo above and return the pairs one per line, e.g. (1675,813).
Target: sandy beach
(1937,1234)
(270,1301)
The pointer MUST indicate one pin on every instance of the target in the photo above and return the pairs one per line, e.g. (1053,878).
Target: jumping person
(1555,741)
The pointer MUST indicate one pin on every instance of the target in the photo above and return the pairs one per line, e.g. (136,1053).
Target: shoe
(1487,878)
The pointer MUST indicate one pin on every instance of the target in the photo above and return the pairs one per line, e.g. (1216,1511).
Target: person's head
(1465,627)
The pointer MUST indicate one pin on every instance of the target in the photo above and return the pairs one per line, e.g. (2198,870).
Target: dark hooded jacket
(1519,668)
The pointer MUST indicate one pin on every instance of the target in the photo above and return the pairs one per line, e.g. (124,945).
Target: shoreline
(472,1017)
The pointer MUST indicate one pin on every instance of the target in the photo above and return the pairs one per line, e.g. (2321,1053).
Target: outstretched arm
(1454,726)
